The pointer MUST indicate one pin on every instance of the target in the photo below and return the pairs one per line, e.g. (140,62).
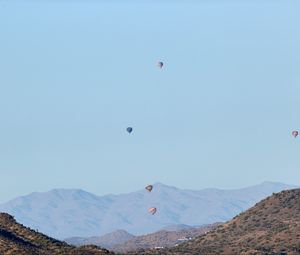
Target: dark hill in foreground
(15,239)
(270,227)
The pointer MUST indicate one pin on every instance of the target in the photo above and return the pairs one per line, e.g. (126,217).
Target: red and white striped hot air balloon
(152,210)
(295,133)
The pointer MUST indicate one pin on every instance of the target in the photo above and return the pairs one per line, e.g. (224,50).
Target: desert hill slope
(270,227)
(65,213)
(15,239)
(162,238)
(122,241)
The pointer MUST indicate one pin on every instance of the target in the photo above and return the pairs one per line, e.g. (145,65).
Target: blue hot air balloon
(160,64)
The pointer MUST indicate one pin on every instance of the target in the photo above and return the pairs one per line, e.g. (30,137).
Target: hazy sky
(75,74)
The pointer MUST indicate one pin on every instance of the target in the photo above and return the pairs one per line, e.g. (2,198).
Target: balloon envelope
(295,133)
(149,188)
(160,64)
(129,129)
(152,210)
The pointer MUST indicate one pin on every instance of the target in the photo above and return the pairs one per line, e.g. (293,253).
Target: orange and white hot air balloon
(295,133)
(152,210)
(149,188)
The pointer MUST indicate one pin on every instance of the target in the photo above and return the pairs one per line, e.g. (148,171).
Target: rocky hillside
(20,240)
(270,227)
(162,238)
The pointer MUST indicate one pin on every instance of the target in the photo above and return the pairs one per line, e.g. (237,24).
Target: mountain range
(161,238)
(63,213)
(121,241)
(270,227)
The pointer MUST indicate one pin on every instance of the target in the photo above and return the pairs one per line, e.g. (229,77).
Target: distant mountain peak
(91,215)
(159,185)
(176,227)
(121,231)
(106,241)
(273,183)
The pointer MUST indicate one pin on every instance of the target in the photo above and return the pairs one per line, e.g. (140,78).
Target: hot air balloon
(295,133)
(152,210)
(160,64)
(149,188)
(129,129)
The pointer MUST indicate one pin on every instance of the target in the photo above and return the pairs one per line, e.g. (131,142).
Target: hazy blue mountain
(106,241)
(64,213)
(177,227)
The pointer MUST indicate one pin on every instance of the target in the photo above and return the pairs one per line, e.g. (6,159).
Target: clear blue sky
(75,74)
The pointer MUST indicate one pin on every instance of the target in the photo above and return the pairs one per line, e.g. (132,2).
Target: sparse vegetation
(15,239)
(162,239)
(270,227)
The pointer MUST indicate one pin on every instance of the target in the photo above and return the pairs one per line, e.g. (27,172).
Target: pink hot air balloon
(152,210)
(295,133)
